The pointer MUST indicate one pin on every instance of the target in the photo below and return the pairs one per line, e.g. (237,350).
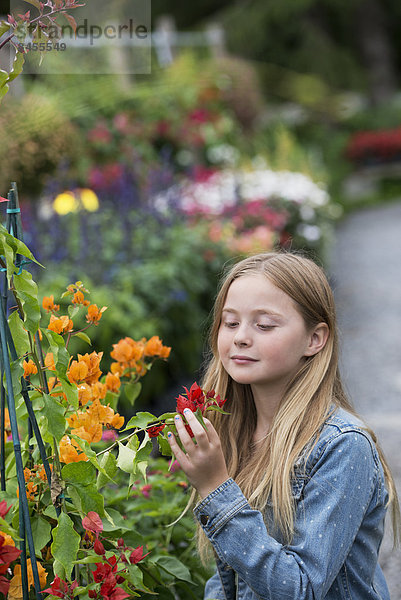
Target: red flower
(7,553)
(4,585)
(60,588)
(137,555)
(92,522)
(4,508)
(98,547)
(155,430)
(196,399)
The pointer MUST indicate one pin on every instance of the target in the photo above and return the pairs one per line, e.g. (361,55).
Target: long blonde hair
(264,471)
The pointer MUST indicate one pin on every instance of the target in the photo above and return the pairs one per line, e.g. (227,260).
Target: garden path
(365,269)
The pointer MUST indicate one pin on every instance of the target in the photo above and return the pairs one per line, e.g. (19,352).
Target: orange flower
(60,324)
(15,589)
(99,390)
(127,350)
(49,361)
(84,394)
(31,489)
(117,421)
(95,314)
(117,369)
(154,347)
(113,382)
(79,298)
(92,361)
(8,540)
(86,427)
(29,368)
(42,473)
(27,474)
(48,304)
(68,451)
(78,371)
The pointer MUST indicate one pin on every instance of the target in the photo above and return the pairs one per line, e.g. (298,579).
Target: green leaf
(4,27)
(71,391)
(83,336)
(164,446)
(126,458)
(173,566)
(65,545)
(27,292)
(60,354)
(87,498)
(35,3)
(109,463)
(79,473)
(17,70)
(55,415)
(140,420)
(72,310)
(132,391)
(18,333)
(41,531)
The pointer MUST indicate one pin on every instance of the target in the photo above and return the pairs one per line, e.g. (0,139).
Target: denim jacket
(341,498)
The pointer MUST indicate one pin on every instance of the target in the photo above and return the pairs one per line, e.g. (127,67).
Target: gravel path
(366,276)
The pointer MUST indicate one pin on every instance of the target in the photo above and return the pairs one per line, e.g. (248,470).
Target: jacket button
(204,519)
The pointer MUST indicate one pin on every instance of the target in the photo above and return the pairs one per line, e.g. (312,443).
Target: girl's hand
(202,462)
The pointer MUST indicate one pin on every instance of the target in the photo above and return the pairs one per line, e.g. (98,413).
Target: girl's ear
(317,339)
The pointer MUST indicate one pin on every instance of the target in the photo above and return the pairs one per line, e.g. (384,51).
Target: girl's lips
(242,359)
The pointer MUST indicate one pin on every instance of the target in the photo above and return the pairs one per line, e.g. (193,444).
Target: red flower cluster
(61,588)
(154,430)
(196,399)
(7,554)
(372,146)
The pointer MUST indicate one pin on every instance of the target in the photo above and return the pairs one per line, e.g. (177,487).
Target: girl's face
(262,338)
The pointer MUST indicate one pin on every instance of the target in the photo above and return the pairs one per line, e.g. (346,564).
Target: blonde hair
(264,471)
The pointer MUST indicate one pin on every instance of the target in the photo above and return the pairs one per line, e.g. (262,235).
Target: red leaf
(92,522)
(4,585)
(71,21)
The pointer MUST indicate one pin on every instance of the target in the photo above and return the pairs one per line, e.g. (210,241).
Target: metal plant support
(8,354)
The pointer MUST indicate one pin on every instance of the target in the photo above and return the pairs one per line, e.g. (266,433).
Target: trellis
(8,355)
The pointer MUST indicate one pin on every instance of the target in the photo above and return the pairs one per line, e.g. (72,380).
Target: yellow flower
(65,203)
(88,199)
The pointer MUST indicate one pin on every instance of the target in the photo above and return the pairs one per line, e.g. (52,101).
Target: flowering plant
(76,542)
(15,30)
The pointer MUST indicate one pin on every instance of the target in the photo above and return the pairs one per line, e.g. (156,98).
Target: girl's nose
(242,337)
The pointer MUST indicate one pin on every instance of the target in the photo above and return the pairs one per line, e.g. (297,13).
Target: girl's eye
(265,327)
(230,324)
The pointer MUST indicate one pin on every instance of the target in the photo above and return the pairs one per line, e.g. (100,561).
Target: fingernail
(187,411)
(177,417)
(169,435)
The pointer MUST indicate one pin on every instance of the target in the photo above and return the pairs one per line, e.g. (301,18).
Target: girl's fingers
(178,453)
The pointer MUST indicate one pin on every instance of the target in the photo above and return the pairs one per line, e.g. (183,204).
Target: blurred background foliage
(140,186)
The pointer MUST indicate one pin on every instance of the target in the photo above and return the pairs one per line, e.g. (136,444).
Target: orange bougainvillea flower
(95,314)
(78,371)
(60,324)
(92,361)
(31,490)
(112,382)
(15,589)
(48,304)
(79,298)
(29,368)
(68,451)
(127,350)
(84,394)
(154,347)
(99,390)
(49,361)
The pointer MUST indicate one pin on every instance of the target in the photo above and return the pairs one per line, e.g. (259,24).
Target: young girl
(293,488)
